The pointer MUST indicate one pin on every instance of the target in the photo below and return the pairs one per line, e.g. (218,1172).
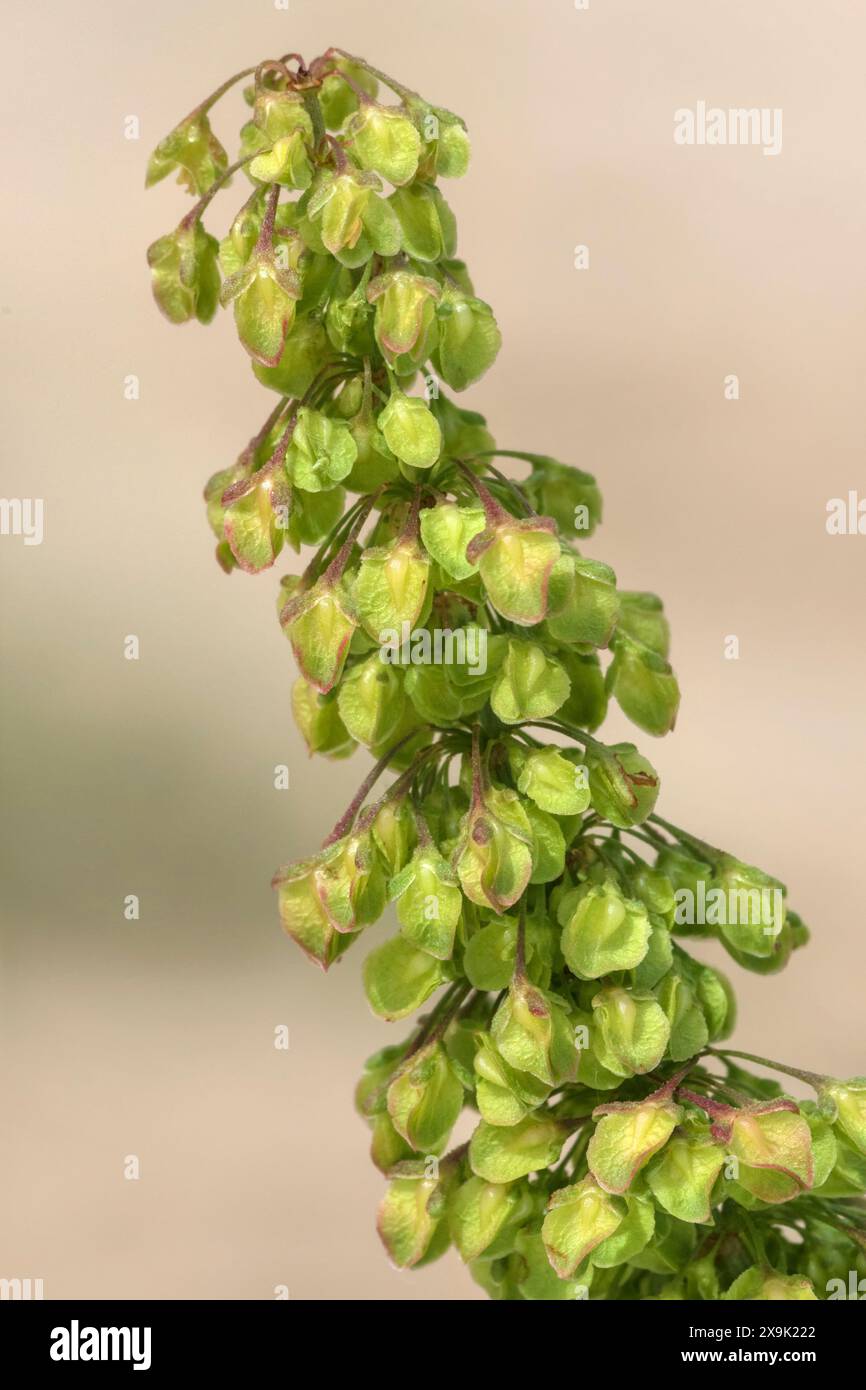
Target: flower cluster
(450,622)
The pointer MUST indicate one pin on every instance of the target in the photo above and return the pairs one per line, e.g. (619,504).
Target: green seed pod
(515,559)
(489,957)
(623,785)
(554,782)
(185,274)
(504,1096)
(846,1105)
(371,1092)
(390,587)
(655,890)
(398,978)
(384,140)
(425,1098)
(313,515)
(406,1225)
(375,464)
(452,149)
(479,1211)
(410,430)
(571,497)
(237,246)
(352,221)
(752,907)
(427,224)
(627,1136)
(761,1283)
(324,901)
(644,686)
(321,453)
(405,322)
(602,930)
(299,361)
(532,1032)
(394,832)
(318,718)
(773,1144)
(464,432)
(500,1154)
(319,624)
(287,163)
(264,297)
(254,522)
(658,959)
(336,98)
(689,1032)
(642,619)
(446,531)
(584,603)
(279,113)
(579,1219)
(429,901)
(469,339)
(371,701)
(530,684)
(192,149)
(548,845)
(682,1177)
(387,1147)
(493,857)
(633,1031)
(586,705)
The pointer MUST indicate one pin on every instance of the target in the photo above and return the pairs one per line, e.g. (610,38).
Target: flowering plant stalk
(449,621)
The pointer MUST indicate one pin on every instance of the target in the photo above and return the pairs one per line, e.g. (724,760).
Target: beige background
(155,1038)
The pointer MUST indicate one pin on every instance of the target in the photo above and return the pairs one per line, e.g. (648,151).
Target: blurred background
(154,1037)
